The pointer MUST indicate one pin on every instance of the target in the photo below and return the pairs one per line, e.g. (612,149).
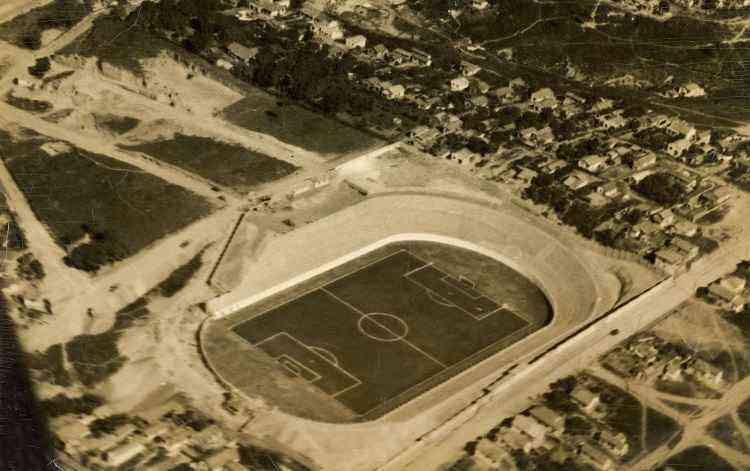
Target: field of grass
(50,366)
(226,164)
(32,106)
(297,126)
(448,334)
(109,209)
(117,124)
(26,30)
(118,43)
(96,357)
(697,457)
(659,429)
(744,412)
(724,430)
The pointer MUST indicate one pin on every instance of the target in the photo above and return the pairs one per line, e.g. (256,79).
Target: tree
(661,187)
(40,68)
(577,425)
(471,447)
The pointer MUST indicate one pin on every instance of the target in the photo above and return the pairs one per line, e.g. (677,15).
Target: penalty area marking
(446,302)
(317,351)
(298,369)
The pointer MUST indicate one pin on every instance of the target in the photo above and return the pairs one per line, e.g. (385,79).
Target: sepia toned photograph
(374,235)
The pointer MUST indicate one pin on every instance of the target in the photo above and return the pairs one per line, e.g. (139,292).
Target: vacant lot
(119,43)
(26,30)
(299,127)
(374,335)
(697,457)
(101,209)
(226,164)
(95,357)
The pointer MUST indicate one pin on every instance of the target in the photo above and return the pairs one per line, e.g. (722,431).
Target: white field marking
(460,370)
(311,290)
(356,380)
(348,388)
(467,280)
(437,299)
(396,337)
(446,275)
(353,308)
(5,244)
(326,353)
(407,237)
(504,258)
(297,364)
(478,317)
(461,288)
(416,269)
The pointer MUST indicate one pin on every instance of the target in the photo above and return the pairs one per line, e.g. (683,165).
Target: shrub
(61,404)
(108,425)
(29,268)
(662,188)
(40,68)
(180,277)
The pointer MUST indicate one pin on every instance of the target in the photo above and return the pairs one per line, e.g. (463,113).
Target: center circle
(383,327)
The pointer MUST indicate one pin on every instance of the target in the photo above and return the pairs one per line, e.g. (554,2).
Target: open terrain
(27,30)
(290,123)
(118,212)
(226,164)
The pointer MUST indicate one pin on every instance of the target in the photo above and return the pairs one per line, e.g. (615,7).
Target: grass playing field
(376,337)
(226,164)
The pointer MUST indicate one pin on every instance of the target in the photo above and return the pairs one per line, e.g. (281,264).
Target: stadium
(409,306)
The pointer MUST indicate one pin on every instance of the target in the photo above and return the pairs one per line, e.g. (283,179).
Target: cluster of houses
(648,357)
(152,439)
(542,430)
(729,292)
(649,7)
(712,4)
(496,146)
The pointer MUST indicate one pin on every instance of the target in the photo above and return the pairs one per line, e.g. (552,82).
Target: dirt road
(10,116)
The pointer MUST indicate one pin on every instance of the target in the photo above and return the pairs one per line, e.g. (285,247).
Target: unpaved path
(10,115)
(59,277)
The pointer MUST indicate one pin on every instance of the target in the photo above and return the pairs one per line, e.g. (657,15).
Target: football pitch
(377,337)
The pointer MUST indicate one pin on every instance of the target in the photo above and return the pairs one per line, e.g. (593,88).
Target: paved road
(574,355)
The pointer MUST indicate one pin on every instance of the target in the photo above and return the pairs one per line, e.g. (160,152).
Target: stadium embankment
(573,287)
